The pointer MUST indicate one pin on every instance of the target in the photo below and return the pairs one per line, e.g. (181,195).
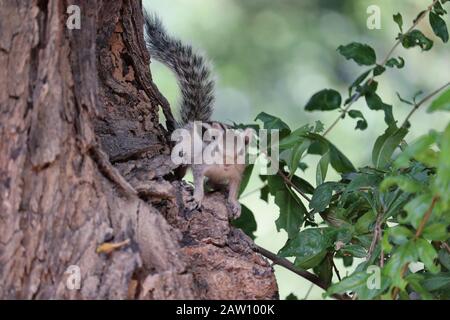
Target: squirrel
(197,99)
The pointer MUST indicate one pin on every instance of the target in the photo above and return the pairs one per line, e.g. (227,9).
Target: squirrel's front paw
(235,208)
(193,203)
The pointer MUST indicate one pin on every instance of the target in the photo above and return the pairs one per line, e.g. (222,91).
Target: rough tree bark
(84,161)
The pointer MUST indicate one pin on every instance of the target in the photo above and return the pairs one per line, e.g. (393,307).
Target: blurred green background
(273,55)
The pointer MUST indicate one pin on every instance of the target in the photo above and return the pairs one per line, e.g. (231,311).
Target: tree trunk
(86,183)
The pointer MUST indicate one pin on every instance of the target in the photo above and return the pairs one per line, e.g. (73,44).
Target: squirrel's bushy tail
(191,69)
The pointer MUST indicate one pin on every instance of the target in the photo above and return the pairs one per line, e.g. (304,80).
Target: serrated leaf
(362,54)
(386,144)
(324,100)
(292,212)
(246,222)
(439,26)
(442,103)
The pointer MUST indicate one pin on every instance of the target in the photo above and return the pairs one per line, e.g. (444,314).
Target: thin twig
(376,235)
(286,179)
(308,292)
(291,184)
(421,102)
(335,269)
(357,95)
(283,262)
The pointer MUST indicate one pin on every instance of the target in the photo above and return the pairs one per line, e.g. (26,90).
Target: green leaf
(416,38)
(378,70)
(364,222)
(265,193)
(295,137)
(438,9)
(292,212)
(444,258)
(399,21)
(420,150)
(246,222)
(443,172)
(360,124)
(374,102)
(405,183)
(291,296)
(404,254)
(272,122)
(325,270)
(399,234)
(324,100)
(358,81)
(322,168)
(393,62)
(355,250)
(435,232)
(302,184)
(309,247)
(439,26)
(427,255)
(416,209)
(362,54)
(337,159)
(386,144)
(442,103)
(296,155)
(436,282)
(322,196)
(350,283)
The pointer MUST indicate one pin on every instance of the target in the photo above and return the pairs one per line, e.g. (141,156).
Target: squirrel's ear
(248,135)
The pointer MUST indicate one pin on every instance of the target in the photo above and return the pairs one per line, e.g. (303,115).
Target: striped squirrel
(197,99)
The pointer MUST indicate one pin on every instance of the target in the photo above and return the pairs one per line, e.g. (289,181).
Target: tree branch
(357,95)
(421,102)
(302,273)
